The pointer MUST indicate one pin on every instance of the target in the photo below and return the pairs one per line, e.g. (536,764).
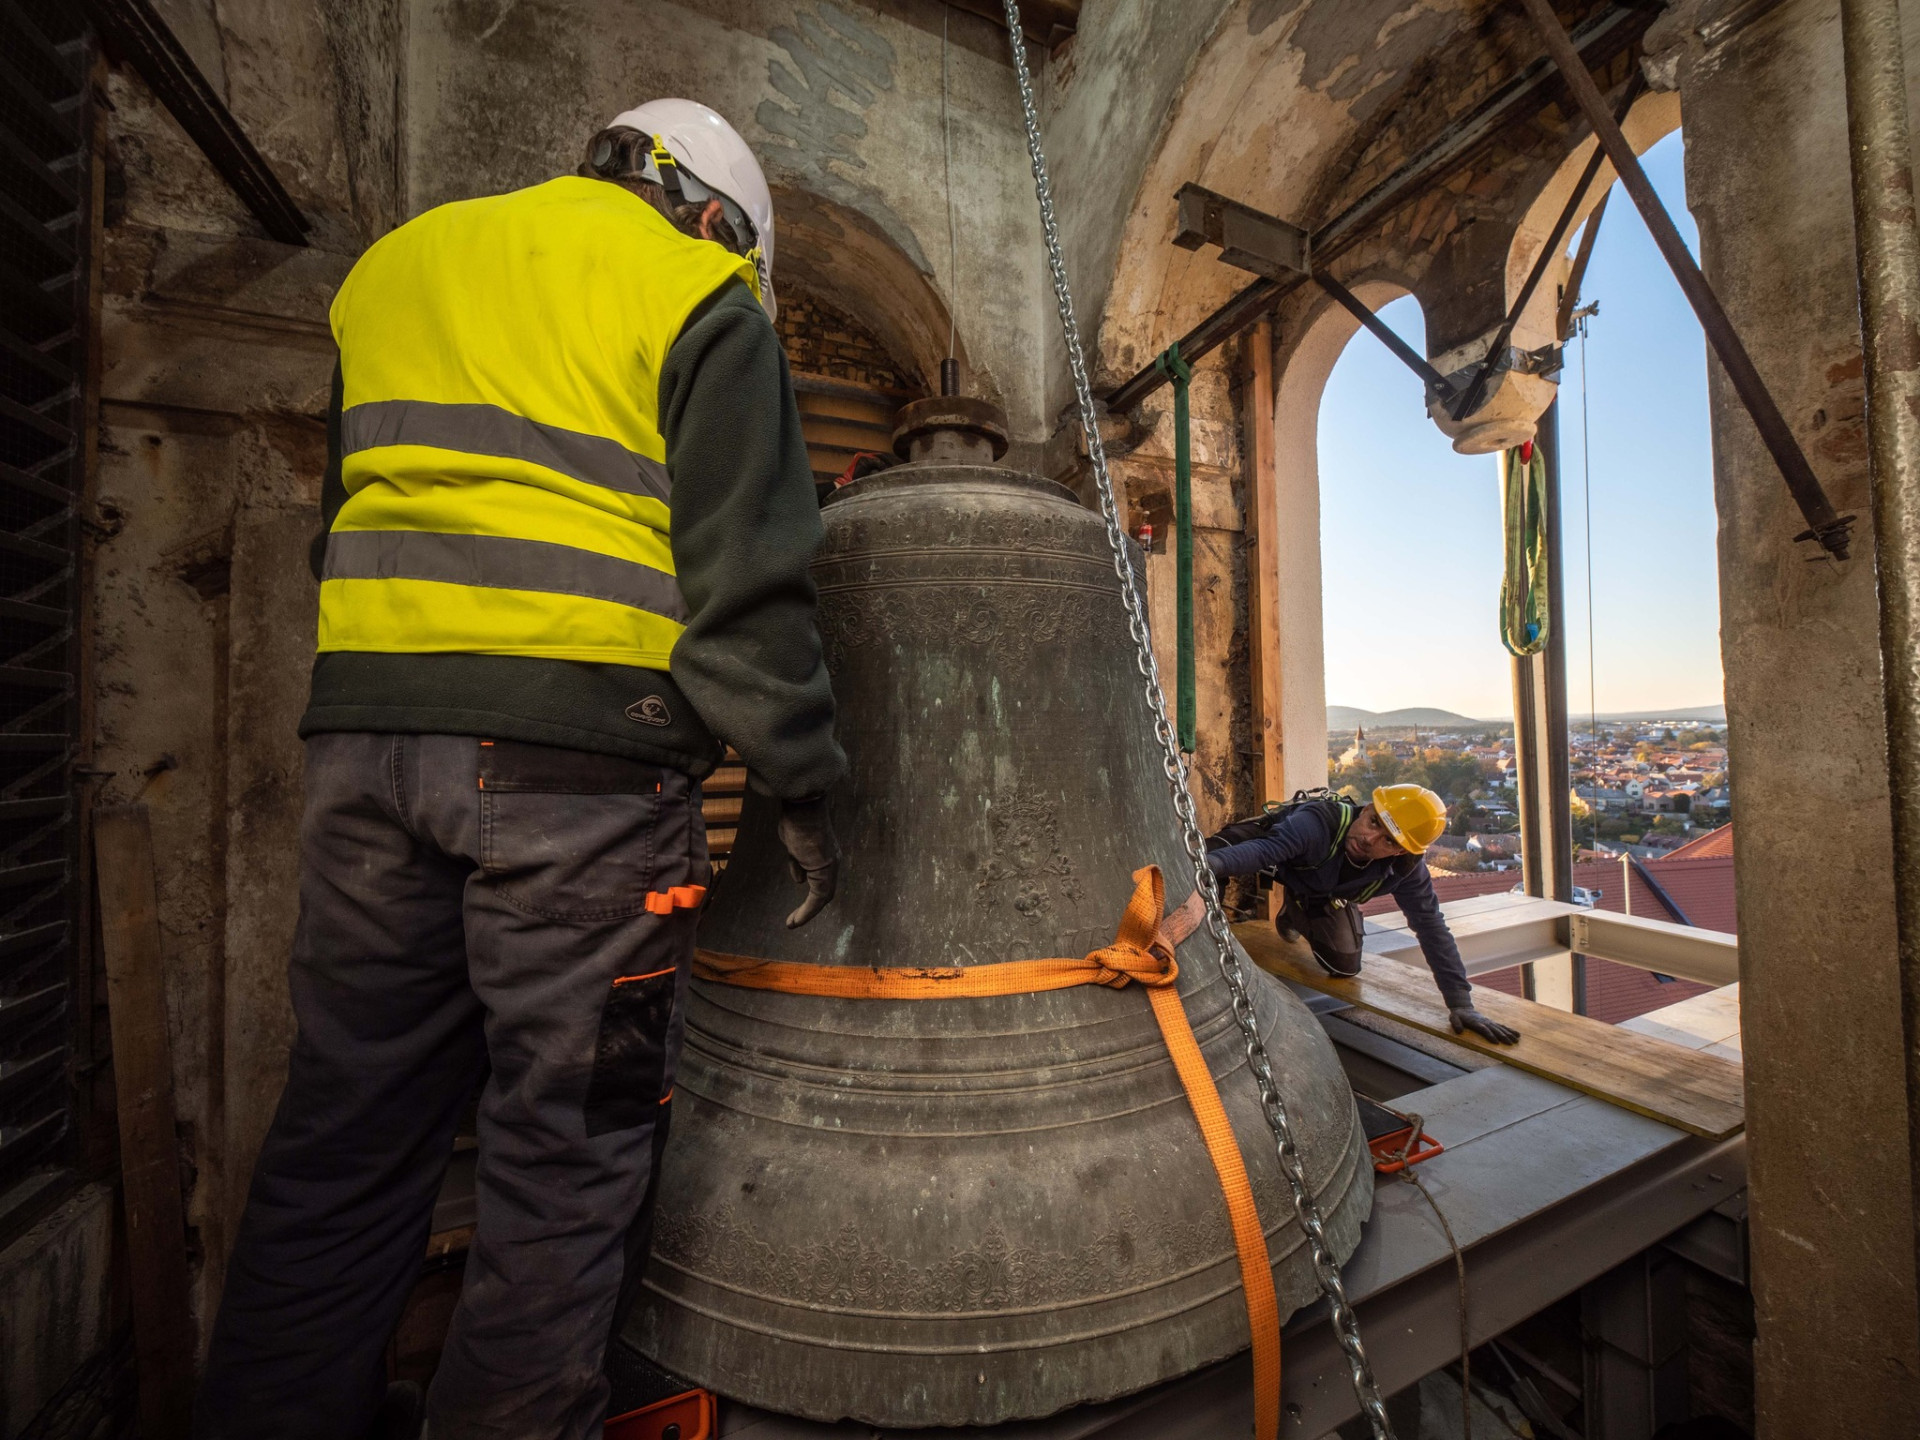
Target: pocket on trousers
(569,835)
(630,1060)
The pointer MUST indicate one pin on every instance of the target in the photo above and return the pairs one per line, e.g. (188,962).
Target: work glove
(1465,1017)
(813,854)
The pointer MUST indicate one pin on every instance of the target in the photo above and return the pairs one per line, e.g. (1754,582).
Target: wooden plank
(806,383)
(1697,1092)
(149,1151)
(836,432)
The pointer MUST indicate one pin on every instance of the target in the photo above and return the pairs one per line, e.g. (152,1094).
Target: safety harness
(1255,827)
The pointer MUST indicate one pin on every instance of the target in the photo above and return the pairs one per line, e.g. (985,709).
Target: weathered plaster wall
(1767,178)
(215,359)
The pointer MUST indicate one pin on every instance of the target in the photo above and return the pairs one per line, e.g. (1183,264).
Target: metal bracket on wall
(133,31)
(1276,249)
(1249,239)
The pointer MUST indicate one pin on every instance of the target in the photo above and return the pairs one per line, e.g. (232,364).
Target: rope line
(946,157)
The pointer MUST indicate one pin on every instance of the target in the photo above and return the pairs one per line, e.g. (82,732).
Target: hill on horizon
(1342,718)
(1345,717)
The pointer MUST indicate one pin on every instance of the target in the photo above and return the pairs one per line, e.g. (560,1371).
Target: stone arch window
(1300,380)
(848,384)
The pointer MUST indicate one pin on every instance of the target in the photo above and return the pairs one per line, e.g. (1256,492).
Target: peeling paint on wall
(831,51)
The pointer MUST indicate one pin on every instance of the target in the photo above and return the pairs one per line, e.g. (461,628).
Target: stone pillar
(1837,1350)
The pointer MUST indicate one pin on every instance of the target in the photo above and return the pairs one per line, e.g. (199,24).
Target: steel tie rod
(1823,523)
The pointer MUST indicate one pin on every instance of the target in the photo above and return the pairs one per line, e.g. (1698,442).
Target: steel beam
(1600,38)
(1887,244)
(134,31)
(1438,387)
(1249,239)
(1708,956)
(1824,525)
(1529,929)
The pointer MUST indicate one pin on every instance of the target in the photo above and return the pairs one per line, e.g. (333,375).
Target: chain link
(1326,1270)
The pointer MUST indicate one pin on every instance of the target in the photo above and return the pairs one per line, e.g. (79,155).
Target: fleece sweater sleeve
(746,523)
(1414,895)
(333,489)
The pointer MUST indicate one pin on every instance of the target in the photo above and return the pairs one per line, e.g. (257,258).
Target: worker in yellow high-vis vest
(569,520)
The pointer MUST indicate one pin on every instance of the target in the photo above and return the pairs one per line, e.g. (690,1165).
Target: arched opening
(836,255)
(1417,680)
(1645,691)
(864,329)
(1298,522)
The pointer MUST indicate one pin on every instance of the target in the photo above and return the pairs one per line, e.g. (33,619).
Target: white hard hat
(710,151)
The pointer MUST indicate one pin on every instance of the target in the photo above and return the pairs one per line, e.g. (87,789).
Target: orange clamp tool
(691,1416)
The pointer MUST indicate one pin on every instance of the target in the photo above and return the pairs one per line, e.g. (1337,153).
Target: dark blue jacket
(1305,855)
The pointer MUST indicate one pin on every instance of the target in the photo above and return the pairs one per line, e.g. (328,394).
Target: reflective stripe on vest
(501,446)
(489,430)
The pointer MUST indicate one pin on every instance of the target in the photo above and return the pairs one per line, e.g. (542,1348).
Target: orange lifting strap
(1142,952)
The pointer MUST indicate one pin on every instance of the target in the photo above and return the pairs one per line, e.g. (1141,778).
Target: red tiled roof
(1714,843)
(1703,887)
(1614,992)
(1604,876)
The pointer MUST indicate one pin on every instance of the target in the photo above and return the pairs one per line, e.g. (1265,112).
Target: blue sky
(1401,513)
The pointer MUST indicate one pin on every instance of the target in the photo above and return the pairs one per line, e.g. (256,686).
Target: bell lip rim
(920,474)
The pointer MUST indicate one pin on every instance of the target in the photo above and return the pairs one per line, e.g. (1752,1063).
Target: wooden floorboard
(1697,1092)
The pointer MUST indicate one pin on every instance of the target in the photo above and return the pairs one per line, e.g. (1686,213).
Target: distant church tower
(1358,750)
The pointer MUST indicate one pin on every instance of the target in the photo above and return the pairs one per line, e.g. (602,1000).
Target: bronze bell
(963,1212)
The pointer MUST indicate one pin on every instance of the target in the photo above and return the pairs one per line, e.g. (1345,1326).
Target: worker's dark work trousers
(1335,933)
(473,918)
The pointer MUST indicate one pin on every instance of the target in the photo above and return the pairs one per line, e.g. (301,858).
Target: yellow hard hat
(1413,815)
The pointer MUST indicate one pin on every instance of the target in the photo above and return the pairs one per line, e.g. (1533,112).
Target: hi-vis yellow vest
(505,471)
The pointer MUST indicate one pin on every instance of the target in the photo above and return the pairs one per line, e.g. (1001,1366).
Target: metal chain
(1326,1270)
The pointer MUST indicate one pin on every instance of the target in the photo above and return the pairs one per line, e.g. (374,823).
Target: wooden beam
(1696,1092)
(1263,582)
(1263,570)
(149,1151)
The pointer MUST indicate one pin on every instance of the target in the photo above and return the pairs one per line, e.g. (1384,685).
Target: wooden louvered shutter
(47,221)
(840,418)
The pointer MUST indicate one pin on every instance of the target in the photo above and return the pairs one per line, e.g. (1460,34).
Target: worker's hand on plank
(813,854)
(1465,1017)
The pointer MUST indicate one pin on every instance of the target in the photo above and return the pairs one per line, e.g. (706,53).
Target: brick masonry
(822,339)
